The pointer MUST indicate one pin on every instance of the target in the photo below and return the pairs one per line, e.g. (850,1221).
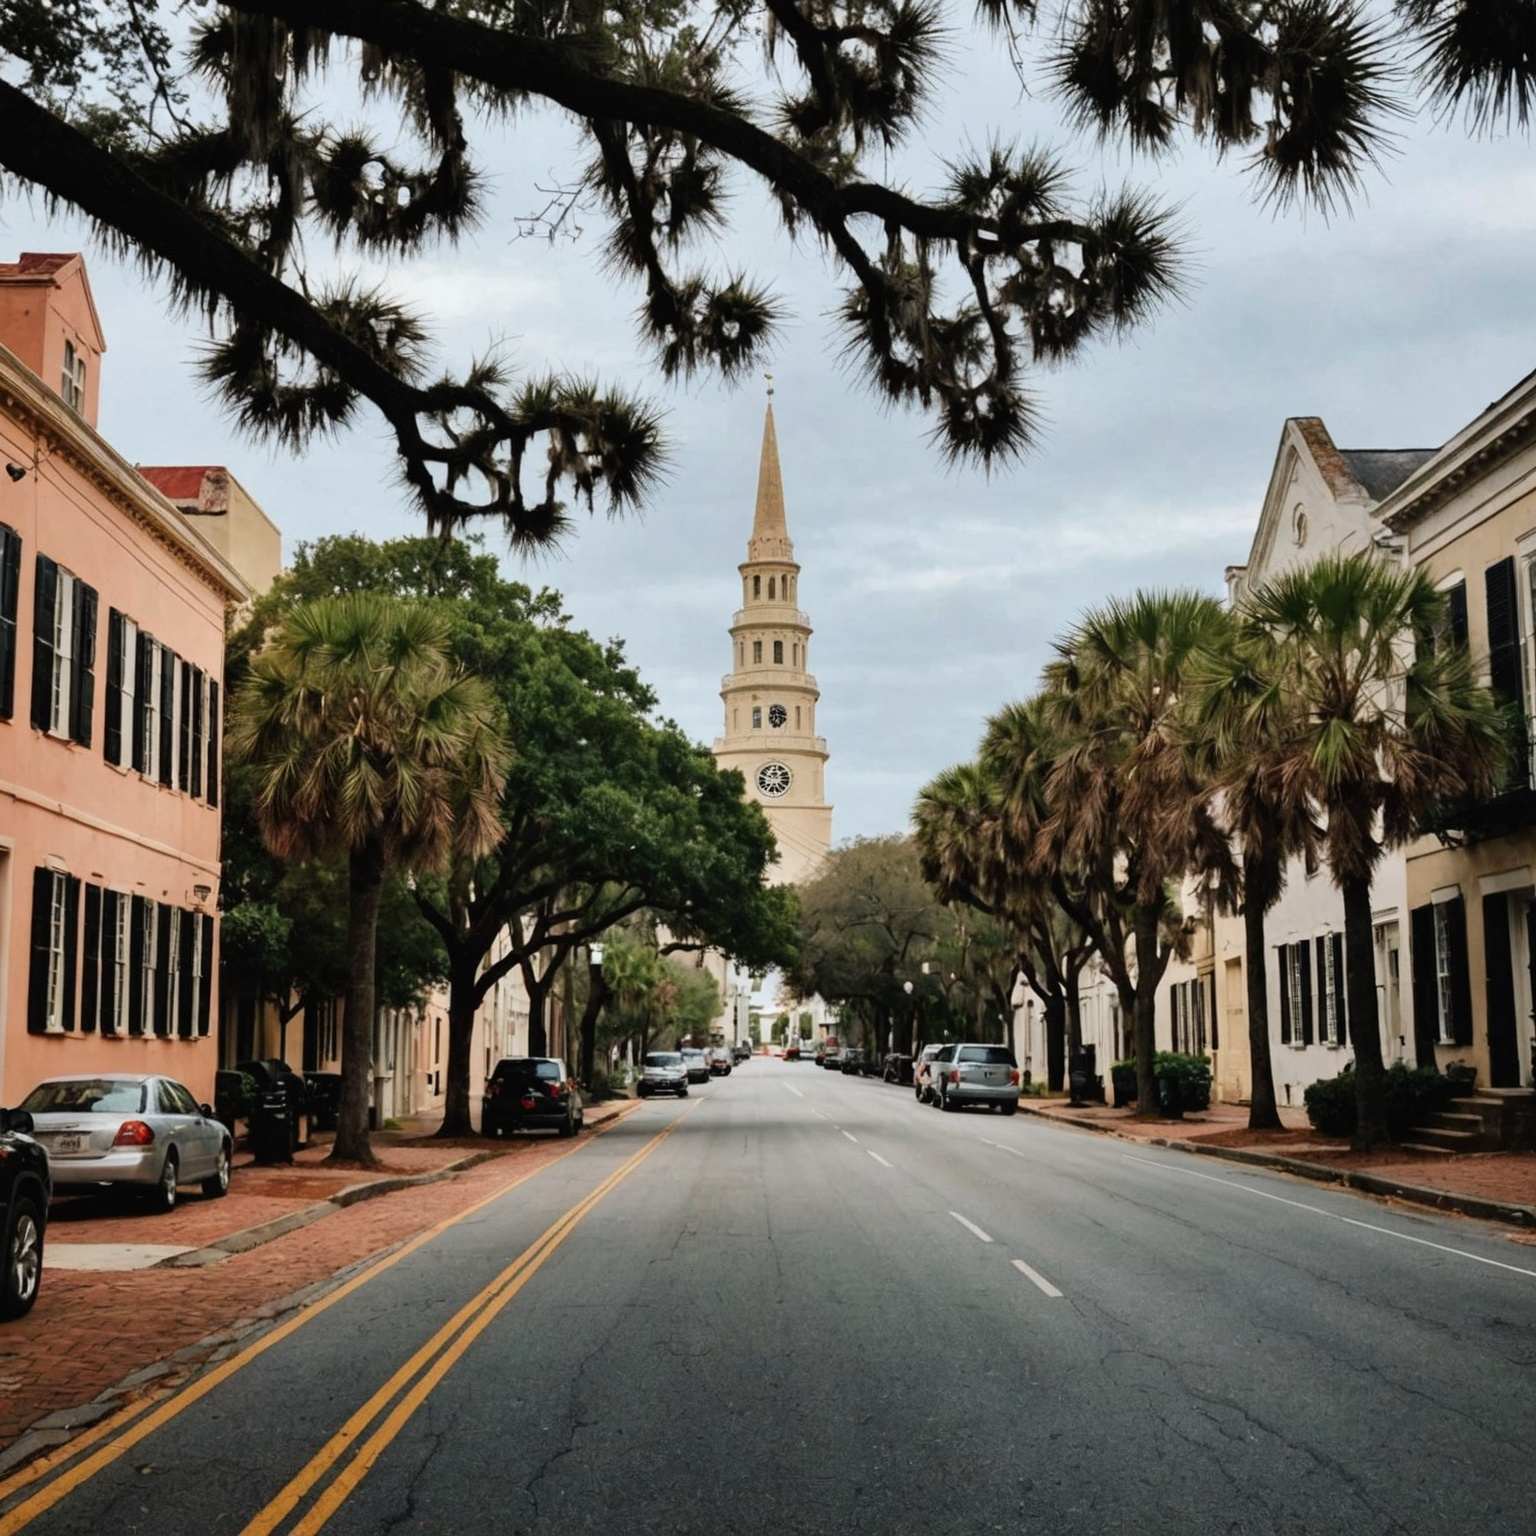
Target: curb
(1320,1173)
(280,1226)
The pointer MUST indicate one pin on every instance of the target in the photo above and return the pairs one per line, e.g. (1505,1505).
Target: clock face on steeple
(773,780)
(777,715)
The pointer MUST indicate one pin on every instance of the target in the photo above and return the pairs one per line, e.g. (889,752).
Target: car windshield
(89,1095)
(990,1055)
(663,1059)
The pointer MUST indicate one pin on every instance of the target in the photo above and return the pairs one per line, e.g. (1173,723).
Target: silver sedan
(129,1128)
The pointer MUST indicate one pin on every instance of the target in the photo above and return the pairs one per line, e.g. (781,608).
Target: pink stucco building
(112,609)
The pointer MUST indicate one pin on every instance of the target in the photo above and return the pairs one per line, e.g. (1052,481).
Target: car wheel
(163,1196)
(948,1105)
(23,1272)
(216,1185)
(682,1092)
(568,1127)
(1008,1109)
(917,1092)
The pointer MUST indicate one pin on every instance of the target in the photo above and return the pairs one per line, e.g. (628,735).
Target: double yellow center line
(440,1352)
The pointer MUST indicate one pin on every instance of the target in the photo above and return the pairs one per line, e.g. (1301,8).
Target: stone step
(1418,1146)
(1449,1120)
(1450,1141)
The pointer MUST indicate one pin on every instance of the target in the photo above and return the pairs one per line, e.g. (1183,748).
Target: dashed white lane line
(1036,1277)
(1003,1148)
(1317,1210)
(790,1089)
(879,1159)
(851,1137)
(971,1227)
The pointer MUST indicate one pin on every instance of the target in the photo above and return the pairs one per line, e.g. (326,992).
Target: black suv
(536,1092)
(24,1190)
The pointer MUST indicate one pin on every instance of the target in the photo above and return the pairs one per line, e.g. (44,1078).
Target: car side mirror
(206,1111)
(16,1120)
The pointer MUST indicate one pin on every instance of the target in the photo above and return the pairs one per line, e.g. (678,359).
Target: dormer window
(72,384)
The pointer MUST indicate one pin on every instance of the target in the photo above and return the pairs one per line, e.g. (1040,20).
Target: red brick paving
(88,1331)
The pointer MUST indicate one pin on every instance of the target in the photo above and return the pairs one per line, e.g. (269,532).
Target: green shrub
(1183,1081)
(1414,1094)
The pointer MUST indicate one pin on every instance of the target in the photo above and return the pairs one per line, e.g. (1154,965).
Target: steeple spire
(770,533)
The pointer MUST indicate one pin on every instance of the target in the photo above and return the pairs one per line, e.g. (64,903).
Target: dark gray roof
(1382,470)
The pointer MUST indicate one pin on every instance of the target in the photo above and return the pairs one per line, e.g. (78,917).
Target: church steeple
(770,532)
(770,695)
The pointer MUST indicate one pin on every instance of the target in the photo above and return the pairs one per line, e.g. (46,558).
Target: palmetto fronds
(361,730)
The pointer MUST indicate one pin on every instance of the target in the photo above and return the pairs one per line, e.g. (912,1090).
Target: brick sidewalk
(89,1331)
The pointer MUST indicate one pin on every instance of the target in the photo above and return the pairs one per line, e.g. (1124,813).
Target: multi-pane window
(148,972)
(1330,994)
(1295,955)
(173,973)
(72,382)
(152,658)
(63,652)
(1444,990)
(63,656)
(757,653)
(119,941)
(757,717)
(10,587)
(54,1008)
(778,653)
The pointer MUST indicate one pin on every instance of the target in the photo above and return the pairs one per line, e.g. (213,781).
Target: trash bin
(1082,1074)
(272,1128)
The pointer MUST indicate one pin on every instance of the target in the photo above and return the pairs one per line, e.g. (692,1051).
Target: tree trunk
(461,1041)
(1144,1021)
(1364,1024)
(1055,1041)
(1263,1115)
(1074,1011)
(365,885)
(597,995)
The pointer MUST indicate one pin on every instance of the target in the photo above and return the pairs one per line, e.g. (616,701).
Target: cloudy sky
(935,593)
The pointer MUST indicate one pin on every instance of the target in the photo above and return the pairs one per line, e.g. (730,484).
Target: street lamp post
(906,987)
(597,995)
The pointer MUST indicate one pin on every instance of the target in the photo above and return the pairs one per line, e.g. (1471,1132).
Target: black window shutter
(45,599)
(109,918)
(1211,1004)
(164,917)
(71,945)
(1461,984)
(1173,1016)
(82,693)
(112,720)
(184,728)
(1499,976)
(1426,994)
(10,587)
(90,991)
(1321,945)
(1340,991)
(1304,962)
(185,1003)
(213,743)
(37,982)
(1284,952)
(1503,630)
(139,1006)
(205,992)
(167,705)
(195,783)
(1456,606)
(142,664)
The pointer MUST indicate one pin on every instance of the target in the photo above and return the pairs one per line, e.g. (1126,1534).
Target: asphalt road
(813,1306)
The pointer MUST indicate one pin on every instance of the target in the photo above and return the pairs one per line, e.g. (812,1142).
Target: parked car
(324,1090)
(979,1074)
(530,1093)
(720,1062)
(923,1070)
(851,1062)
(741,1052)
(697,1064)
(274,1075)
(129,1130)
(832,1058)
(25,1186)
(897,1067)
(663,1072)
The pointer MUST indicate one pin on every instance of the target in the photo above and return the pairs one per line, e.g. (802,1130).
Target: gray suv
(977,1074)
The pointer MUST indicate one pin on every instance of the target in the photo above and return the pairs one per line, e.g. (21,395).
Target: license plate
(68,1143)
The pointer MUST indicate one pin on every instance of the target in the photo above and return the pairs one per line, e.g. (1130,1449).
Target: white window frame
(1445,997)
(1293,960)
(121,943)
(173,974)
(61,684)
(72,381)
(178,689)
(128,688)
(148,969)
(151,706)
(58,931)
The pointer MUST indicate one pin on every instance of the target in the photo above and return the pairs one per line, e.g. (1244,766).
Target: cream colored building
(770,696)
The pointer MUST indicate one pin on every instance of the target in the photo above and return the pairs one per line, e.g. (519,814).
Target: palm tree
(1238,734)
(1373,731)
(367,742)
(1123,803)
